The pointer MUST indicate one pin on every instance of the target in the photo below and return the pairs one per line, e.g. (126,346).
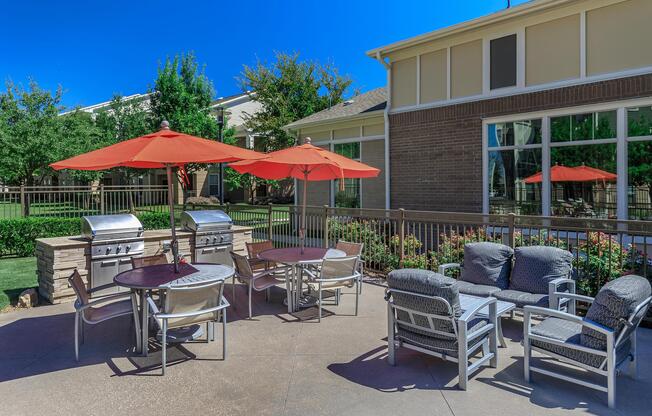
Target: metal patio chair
(256,281)
(100,309)
(335,274)
(599,343)
(253,249)
(189,305)
(424,315)
(138,262)
(353,249)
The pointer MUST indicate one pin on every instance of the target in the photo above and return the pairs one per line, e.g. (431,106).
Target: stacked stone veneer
(58,257)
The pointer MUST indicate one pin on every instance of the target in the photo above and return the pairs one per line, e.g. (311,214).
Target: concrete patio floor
(277,364)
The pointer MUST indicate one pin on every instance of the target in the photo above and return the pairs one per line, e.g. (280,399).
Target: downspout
(388,68)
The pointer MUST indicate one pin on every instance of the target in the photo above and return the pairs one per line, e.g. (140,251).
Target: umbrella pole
(174,244)
(302,229)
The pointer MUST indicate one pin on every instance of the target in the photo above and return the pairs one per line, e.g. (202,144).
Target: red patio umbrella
(163,149)
(560,173)
(307,163)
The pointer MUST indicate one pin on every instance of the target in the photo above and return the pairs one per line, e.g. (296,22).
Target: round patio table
(161,276)
(293,257)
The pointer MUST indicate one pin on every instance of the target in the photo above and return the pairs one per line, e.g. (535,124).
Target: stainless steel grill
(114,240)
(212,239)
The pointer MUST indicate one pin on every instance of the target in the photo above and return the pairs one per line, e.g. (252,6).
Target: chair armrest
(98,288)
(443,267)
(337,279)
(469,314)
(309,273)
(528,311)
(105,299)
(222,305)
(152,305)
(554,291)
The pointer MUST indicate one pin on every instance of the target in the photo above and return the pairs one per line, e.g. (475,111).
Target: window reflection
(508,191)
(589,126)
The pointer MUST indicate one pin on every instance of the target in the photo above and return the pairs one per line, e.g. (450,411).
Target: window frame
(622,141)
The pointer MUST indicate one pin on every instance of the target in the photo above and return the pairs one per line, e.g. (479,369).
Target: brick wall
(436,154)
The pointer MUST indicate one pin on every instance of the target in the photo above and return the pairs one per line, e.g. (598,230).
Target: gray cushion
(429,283)
(569,332)
(441,344)
(522,299)
(613,305)
(487,263)
(483,291)
(536,266)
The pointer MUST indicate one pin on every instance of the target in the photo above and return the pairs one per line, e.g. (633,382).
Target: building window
(503,62)
(578,153)
(213,184)
(347,195)
(639,163)
(514,155)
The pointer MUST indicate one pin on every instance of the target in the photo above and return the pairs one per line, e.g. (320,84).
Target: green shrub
(375,252)
(154,220)
(18,235)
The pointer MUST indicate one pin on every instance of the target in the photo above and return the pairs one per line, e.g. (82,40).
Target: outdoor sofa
(525,276)
(424,314)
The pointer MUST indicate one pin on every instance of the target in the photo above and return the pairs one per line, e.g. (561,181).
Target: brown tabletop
(159,275)
(293,255)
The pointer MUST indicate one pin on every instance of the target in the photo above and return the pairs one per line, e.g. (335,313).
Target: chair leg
(391,345)
(77,318)
(249,300)
(164,342)
(463,366)
(357,295)
(224,334)
(611,377)
(81,328)
(527,354)
(320,297)
(267,294)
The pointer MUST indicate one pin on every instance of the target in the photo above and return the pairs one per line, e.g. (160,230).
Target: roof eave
(359,116)
(479,22)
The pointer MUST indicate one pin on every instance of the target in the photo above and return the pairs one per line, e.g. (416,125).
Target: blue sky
(97,48)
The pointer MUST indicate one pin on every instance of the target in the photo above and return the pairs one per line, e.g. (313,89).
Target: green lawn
(16,275)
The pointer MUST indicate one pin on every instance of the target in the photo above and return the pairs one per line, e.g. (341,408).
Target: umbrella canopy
(163,149)
(560,173)
(307,163)
(157,150)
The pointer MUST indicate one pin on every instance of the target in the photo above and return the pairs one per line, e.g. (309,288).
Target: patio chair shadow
(44,344)
(549,393)
(372,370)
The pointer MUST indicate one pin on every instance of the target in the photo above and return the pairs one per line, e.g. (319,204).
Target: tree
(123,120)
(182,95)
(33,135)
(289,90)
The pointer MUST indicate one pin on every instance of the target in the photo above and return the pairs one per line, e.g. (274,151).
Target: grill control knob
(108,250)
(117,249)
(127,248)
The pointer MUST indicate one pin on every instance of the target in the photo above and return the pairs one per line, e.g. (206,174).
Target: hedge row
(18,235)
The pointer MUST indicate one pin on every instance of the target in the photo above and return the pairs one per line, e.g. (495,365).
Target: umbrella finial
(307,140)
(165,125)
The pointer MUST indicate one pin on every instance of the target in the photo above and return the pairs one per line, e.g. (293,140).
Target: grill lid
(110,227)
(205,220)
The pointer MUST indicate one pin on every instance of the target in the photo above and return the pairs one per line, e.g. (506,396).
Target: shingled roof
(368,102)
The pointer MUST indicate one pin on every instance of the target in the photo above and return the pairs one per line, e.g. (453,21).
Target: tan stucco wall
(618,37)
(374,130)
(373,190)
(404,82)
(466,69)
(434,69)
(346,133)
(553,50)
